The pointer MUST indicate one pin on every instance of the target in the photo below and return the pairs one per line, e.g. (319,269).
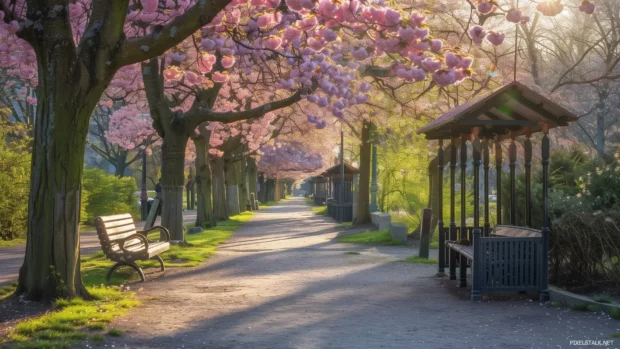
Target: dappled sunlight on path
(283,282)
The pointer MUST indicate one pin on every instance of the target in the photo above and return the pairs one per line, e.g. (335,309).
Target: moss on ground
(416,259)
(79,320)
(381,237)
(14,242)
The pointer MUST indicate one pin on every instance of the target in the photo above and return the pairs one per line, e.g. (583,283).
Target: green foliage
(615,313)
(603,298)
(105,194)
(319,210)
(15,187)
(115,332)
(352,253)
(381,237)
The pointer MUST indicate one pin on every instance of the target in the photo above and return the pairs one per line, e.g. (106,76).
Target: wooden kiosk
(341,208)
(505,257)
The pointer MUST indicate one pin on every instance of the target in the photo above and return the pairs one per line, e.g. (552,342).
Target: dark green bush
(105,194)
(14,186)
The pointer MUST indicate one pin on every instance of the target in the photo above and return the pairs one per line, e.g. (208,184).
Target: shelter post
(463,231)
(512,157)
(527,149)
(453,145)
(486,156)
(544,293)
(476,154)
(498,181)
(442,238)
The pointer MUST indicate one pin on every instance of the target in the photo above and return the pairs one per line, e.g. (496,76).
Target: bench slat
(467,251)
(114,224)
(114,217)
(517,232)
(120,230)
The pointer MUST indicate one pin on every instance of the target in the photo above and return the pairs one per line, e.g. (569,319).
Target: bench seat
(465,250)
(123,244)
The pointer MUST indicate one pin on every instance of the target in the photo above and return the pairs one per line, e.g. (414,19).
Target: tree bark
(363,197)
(600,132)
(232,188)
(66,99)
(172,181)
(219,190)
(244,198)
(120,165)
(252,178)
(204,216)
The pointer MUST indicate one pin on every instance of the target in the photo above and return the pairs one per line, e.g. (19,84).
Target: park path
(11,258)
(283,282)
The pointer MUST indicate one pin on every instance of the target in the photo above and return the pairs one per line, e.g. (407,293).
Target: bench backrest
(515,232)
(112,229)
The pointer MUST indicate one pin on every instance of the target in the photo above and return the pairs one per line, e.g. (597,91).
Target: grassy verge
(416,259)
(8,290)
(381,237)
(309,201)
(78,320)
(319,210)
(14,242)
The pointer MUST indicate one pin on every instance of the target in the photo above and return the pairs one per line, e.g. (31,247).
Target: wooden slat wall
(510,264)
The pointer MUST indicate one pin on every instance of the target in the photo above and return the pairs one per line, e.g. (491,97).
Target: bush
(105,194)
(14,186)
(585,249)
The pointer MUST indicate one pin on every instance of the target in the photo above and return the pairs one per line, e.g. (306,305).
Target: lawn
(14,242)
(319,210)
(77,320)
(381,237)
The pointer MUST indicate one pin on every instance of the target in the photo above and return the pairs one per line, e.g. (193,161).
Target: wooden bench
(509,259)
(124,245)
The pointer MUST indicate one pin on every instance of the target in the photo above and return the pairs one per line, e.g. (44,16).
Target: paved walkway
(11,258)
(283,282)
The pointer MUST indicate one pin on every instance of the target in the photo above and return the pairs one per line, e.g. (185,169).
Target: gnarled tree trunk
(232,188)
(363,198)
(172,182)
(220,209)
(204,216)
(244,195)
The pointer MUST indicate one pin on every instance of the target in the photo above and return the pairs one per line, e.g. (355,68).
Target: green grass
(615,313)
(352,252)
(319,210)
(603,298)
(115,332)
(616,335)
(72,319)
(14,242)
(580,307)
(344,225)
(416,259)
(381,237)
(556,305)
(309,201)
(8,290)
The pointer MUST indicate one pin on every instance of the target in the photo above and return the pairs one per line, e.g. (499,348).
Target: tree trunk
(363,197)
(172,180)
(66,100)
(204,216)
(219,190)
(232,188)
(600,132)
(252,178)
(120,165)
(244,196)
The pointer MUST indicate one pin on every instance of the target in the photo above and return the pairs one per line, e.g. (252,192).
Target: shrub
(14,186)
(105,194)
(585,249)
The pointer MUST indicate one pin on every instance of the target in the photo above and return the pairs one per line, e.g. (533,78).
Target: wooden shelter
(319,185)
(340,204)
(503,258)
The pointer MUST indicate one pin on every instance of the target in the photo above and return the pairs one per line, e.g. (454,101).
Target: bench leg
(452,265)
(133,265)
(161,262)
(463,271)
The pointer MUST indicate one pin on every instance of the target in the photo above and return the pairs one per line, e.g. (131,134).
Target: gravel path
(283,282)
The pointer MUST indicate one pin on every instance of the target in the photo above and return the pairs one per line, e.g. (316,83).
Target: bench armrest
(165,232)
(140,237)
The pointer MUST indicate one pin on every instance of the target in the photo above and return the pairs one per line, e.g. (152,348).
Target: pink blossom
(496,38)
(406,34)
(207,44)
(452,60)
(228,61)
(524,19)
(485,7)
(31,100)
(444,77)
(392,17)
(272,42)
(550,7)
(219,77)
(417,19)
(329,35)
(291,33)
(149,6)
(205,63)
(587,7)
(1,16)
(172,74)
(514,15)
(265,21)
(477,34)
(316,44)
(294,5)
(13,27)
(436,45)
(192,78)
(431,65)
(360,54)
